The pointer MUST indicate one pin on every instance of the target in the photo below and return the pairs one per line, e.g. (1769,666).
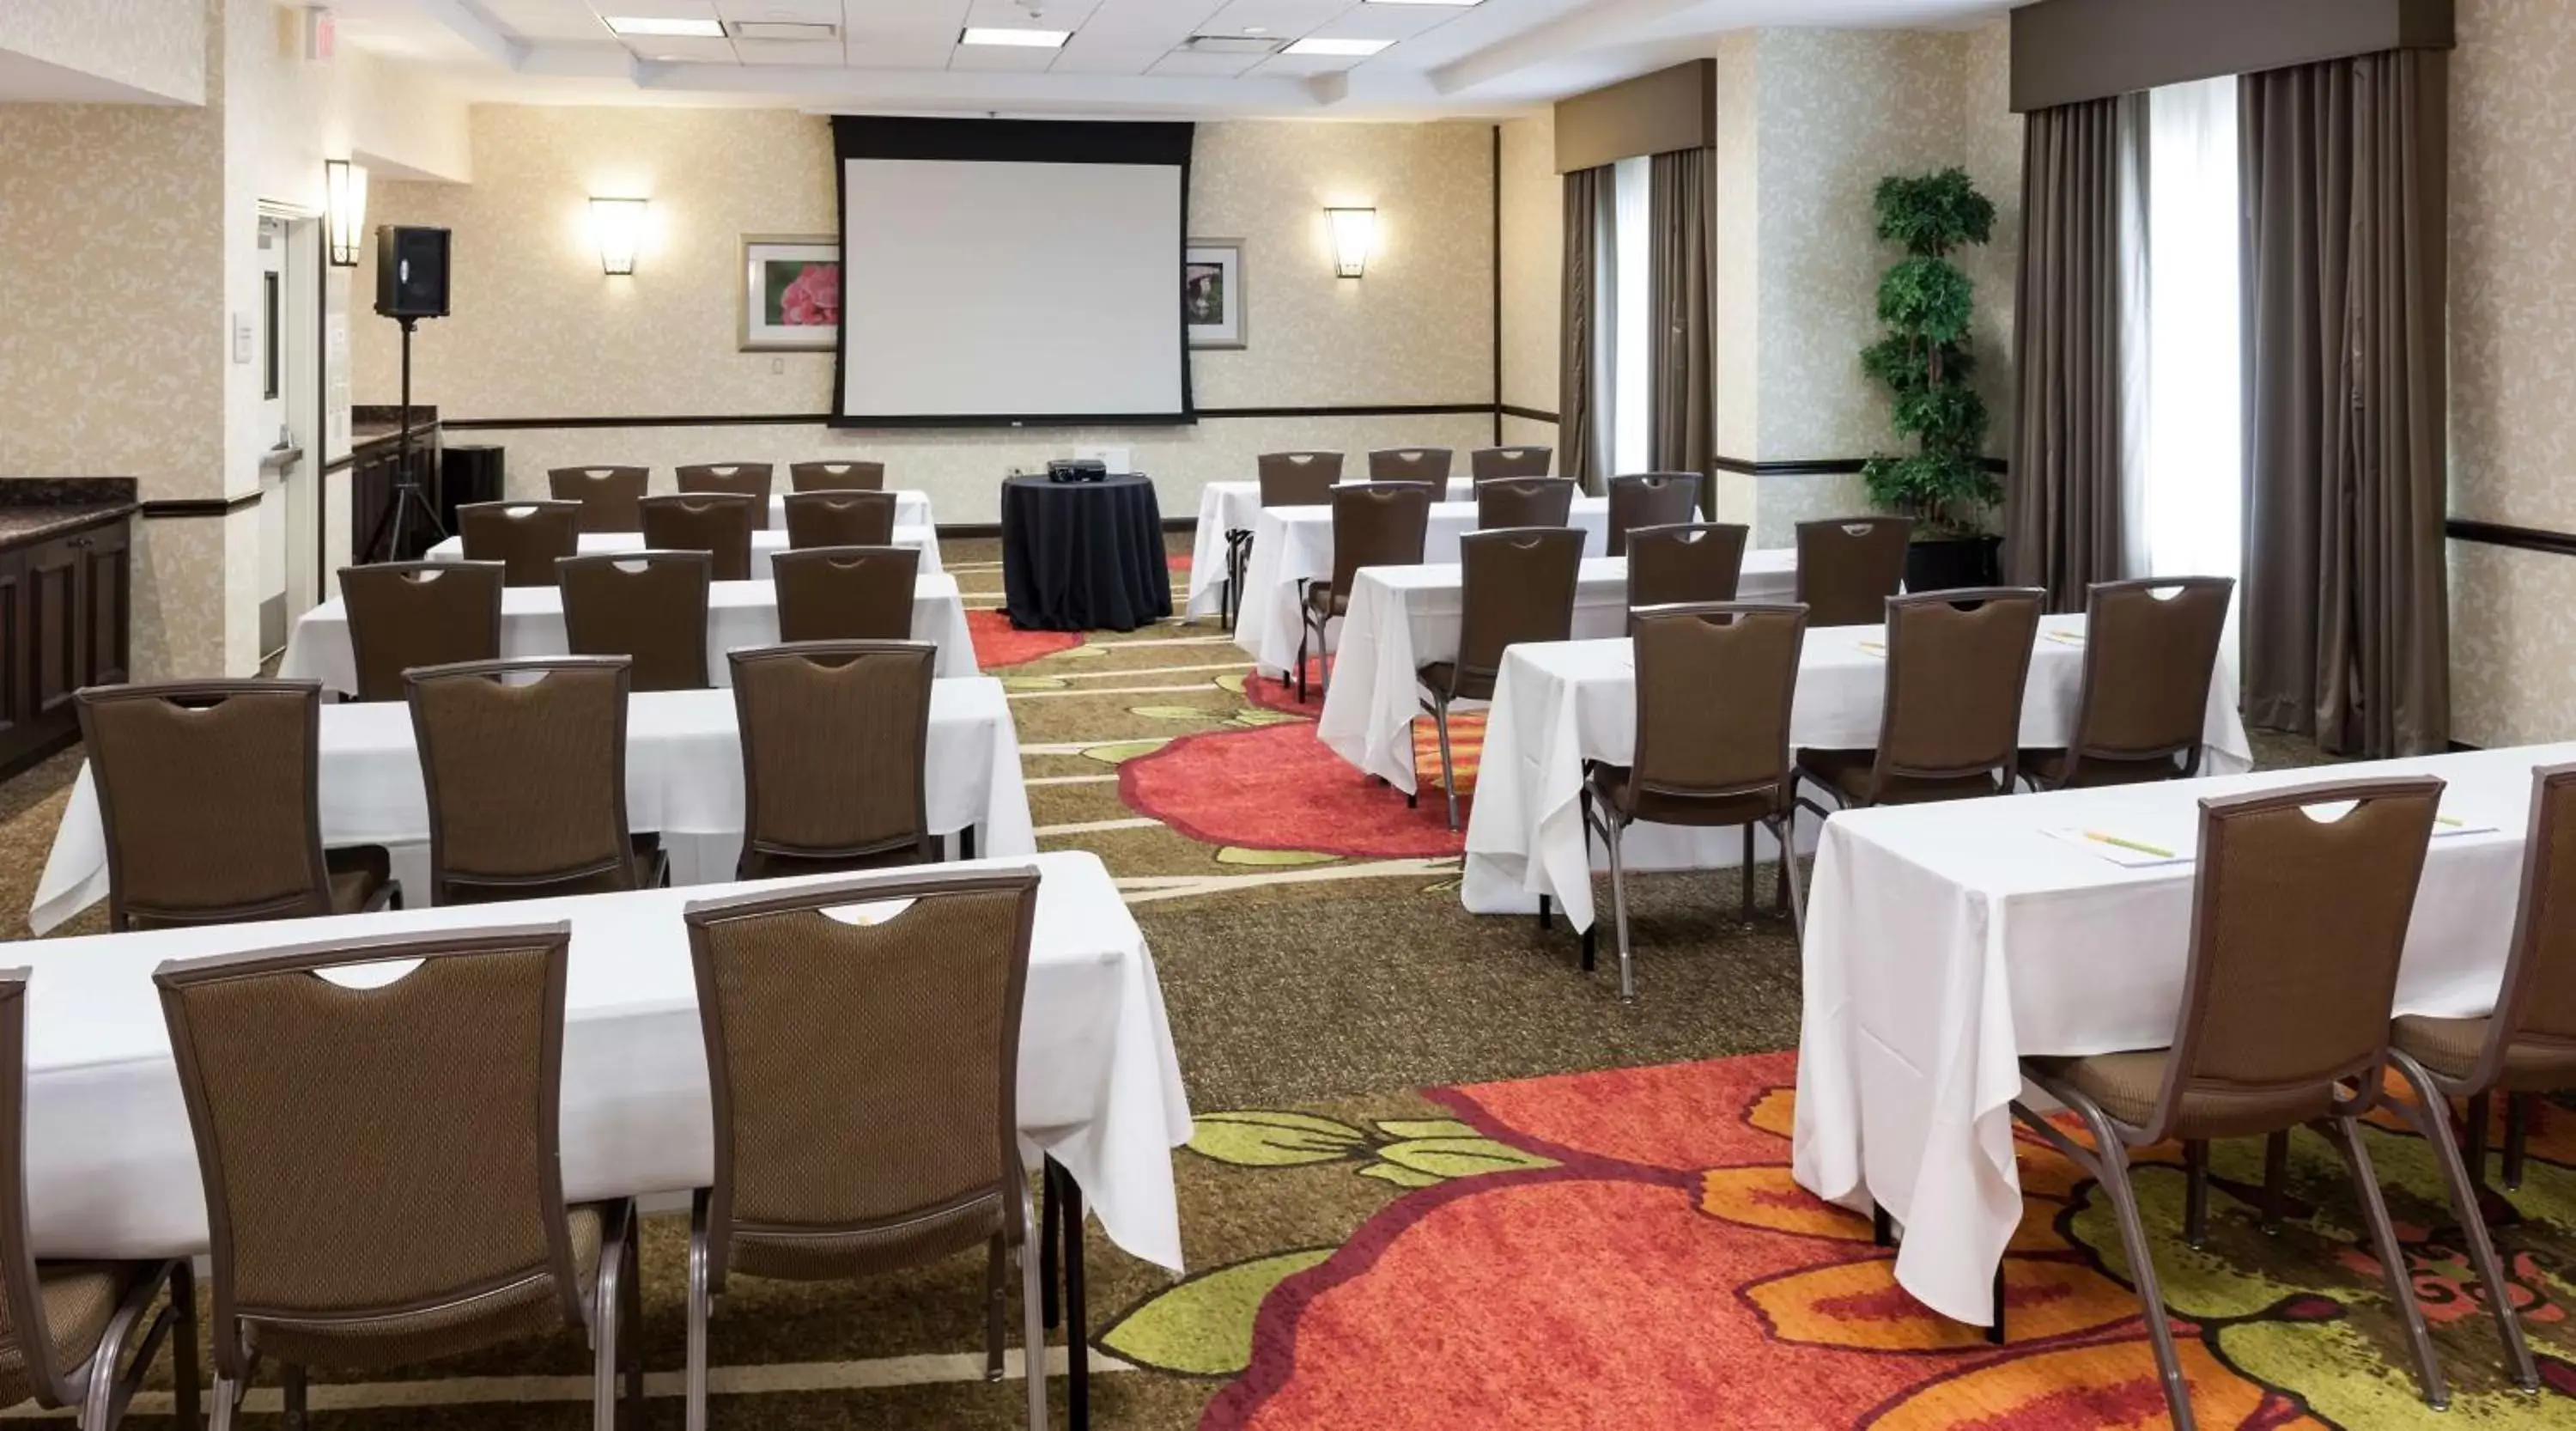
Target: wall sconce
(619,226)
(344,191)
(1354,230)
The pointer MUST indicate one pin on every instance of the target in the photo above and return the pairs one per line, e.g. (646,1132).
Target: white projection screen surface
(979,285)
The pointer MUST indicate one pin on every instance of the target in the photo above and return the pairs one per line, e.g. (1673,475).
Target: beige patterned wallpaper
(1533,262)
(1737,338)
(155,46)
(1993,159)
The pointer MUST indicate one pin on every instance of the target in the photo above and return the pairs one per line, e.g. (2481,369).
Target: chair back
(1299,479)
(649,607)
(1514,586)
(840,519)
(2531,1040)
(1524,502)
(375,1155)
(1957,662)
(419,613)
(836,476)
(742,479)
(2299,914)
(1378,524)
(26,1334)
(607,495)
(718,523)
(209,794)
(2150,652)
(1849,566)
(1686,563)
(865,1072)
(1410,464)
(526,538)
(847,593)
(835,749)
(525,763)
(1691,747)
(1650,499)
(1488,463)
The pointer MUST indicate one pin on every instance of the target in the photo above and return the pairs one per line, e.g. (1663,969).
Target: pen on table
(2140,846)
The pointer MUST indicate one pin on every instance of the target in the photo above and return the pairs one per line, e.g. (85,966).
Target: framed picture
(791,292)
(1212,292)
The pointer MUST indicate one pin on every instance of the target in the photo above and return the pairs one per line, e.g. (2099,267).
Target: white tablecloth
(1403,617)
(1294,544)
(112,1168)
(1561,704)
(764,545)
(683,779)
(1945,941)
(1233,506)
(739,613)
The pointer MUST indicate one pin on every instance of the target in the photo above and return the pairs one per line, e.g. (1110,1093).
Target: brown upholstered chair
(852,593)
(209,793)
(1489,463)
(835,756)
(839,519)
(381,1163)
(1685,563)
(1849,566)
(66,1327)
(526,538)
(1503,502)
(742,479)
(1288,479)
(2150,651)
(865,1077)
(1957,663)
(718,523)
(1650,499)
(1698,761)
(1411,464)
(2298,923)
(607,495)
(1374,524)
(1514,586)
(419,613)
(836,476)
(649,607)
(525,762)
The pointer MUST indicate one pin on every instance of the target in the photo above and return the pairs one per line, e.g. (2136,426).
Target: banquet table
(764,545)
(739,613)
(1234,506)
(683,779)
(1944,942)
(1559,704)
(1403,617)
(1295,544)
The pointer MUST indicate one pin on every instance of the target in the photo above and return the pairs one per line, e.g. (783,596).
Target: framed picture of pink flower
(791,292)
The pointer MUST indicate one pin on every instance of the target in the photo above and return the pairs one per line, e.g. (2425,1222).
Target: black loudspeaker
(467,474)
(411,272)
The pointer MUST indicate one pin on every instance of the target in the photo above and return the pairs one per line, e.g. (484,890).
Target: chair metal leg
(1304,629)
(2108,1161)
(1619,913)
(1792,884)
(290,1376)
(1064,1198)
(996,1294)
(2276,1179)
(2345,1134)
(700,1298)
(2195,1195)
(103,1398)
(631,1321)
(608,1299)
(228,1394)
(1032,1323)
(1747,899)
(183,1353)
(1448,771)
(2517,1117)
(2430,1114)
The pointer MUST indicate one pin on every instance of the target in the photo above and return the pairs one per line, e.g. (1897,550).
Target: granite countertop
(33,509)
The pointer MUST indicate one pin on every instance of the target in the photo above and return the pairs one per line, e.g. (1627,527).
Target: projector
(1077,469)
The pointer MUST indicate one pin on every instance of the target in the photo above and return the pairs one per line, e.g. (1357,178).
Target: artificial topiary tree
(1926,303)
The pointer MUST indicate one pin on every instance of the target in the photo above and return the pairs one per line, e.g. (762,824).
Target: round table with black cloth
(1083,556)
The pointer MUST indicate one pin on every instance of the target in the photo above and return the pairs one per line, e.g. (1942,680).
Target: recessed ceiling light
(1315,46)
(1256,29)
(664,28)
(1026,39)
(1458,3)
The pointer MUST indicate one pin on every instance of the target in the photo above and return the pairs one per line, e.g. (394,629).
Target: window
(1631,369)
(273,311)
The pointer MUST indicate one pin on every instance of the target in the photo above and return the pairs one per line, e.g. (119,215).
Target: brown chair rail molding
(824,419)
(2499,534)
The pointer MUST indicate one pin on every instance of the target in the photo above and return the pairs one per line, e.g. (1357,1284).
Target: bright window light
(1314,46)
(662,27)
(1026,39)
(2194,496)
(1632,318)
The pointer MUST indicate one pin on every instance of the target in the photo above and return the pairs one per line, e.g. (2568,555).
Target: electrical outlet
(777,366)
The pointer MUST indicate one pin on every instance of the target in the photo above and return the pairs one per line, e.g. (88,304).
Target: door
(106,601)
(275,435)
(16,734)
(55,642)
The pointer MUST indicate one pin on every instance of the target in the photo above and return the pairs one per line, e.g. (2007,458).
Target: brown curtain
(1682,412)
(2346,621)
(1579,435)
(2062,497)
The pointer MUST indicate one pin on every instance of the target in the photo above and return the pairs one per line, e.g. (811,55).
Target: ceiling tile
(1025,59)
(811,12)
(1307,64)
(790,52)
(1390,22)
(1143,22)
(657,9)
(1281,19)
(1183,62)
(920,20)
(899,54)
(681,49)
(1014,14)
(548,19)
(1086,55)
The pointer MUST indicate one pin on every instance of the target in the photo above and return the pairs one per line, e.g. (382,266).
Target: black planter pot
(1952,563)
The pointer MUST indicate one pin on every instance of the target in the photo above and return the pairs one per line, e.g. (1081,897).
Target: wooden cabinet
(65,622)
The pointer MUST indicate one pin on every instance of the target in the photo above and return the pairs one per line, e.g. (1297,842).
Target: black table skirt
(1083,556)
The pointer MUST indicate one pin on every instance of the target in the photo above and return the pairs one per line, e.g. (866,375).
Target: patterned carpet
(1443,1178)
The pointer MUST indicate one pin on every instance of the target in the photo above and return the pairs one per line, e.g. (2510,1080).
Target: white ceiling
(1125,56)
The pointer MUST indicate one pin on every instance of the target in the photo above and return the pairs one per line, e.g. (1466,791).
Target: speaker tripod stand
(411,517)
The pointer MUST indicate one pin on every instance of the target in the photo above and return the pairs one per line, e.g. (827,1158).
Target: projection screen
(998,271)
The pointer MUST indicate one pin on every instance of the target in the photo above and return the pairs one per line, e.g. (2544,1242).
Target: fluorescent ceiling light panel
(1028,39)
(659,26)
(1461,4)
(1316,46)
